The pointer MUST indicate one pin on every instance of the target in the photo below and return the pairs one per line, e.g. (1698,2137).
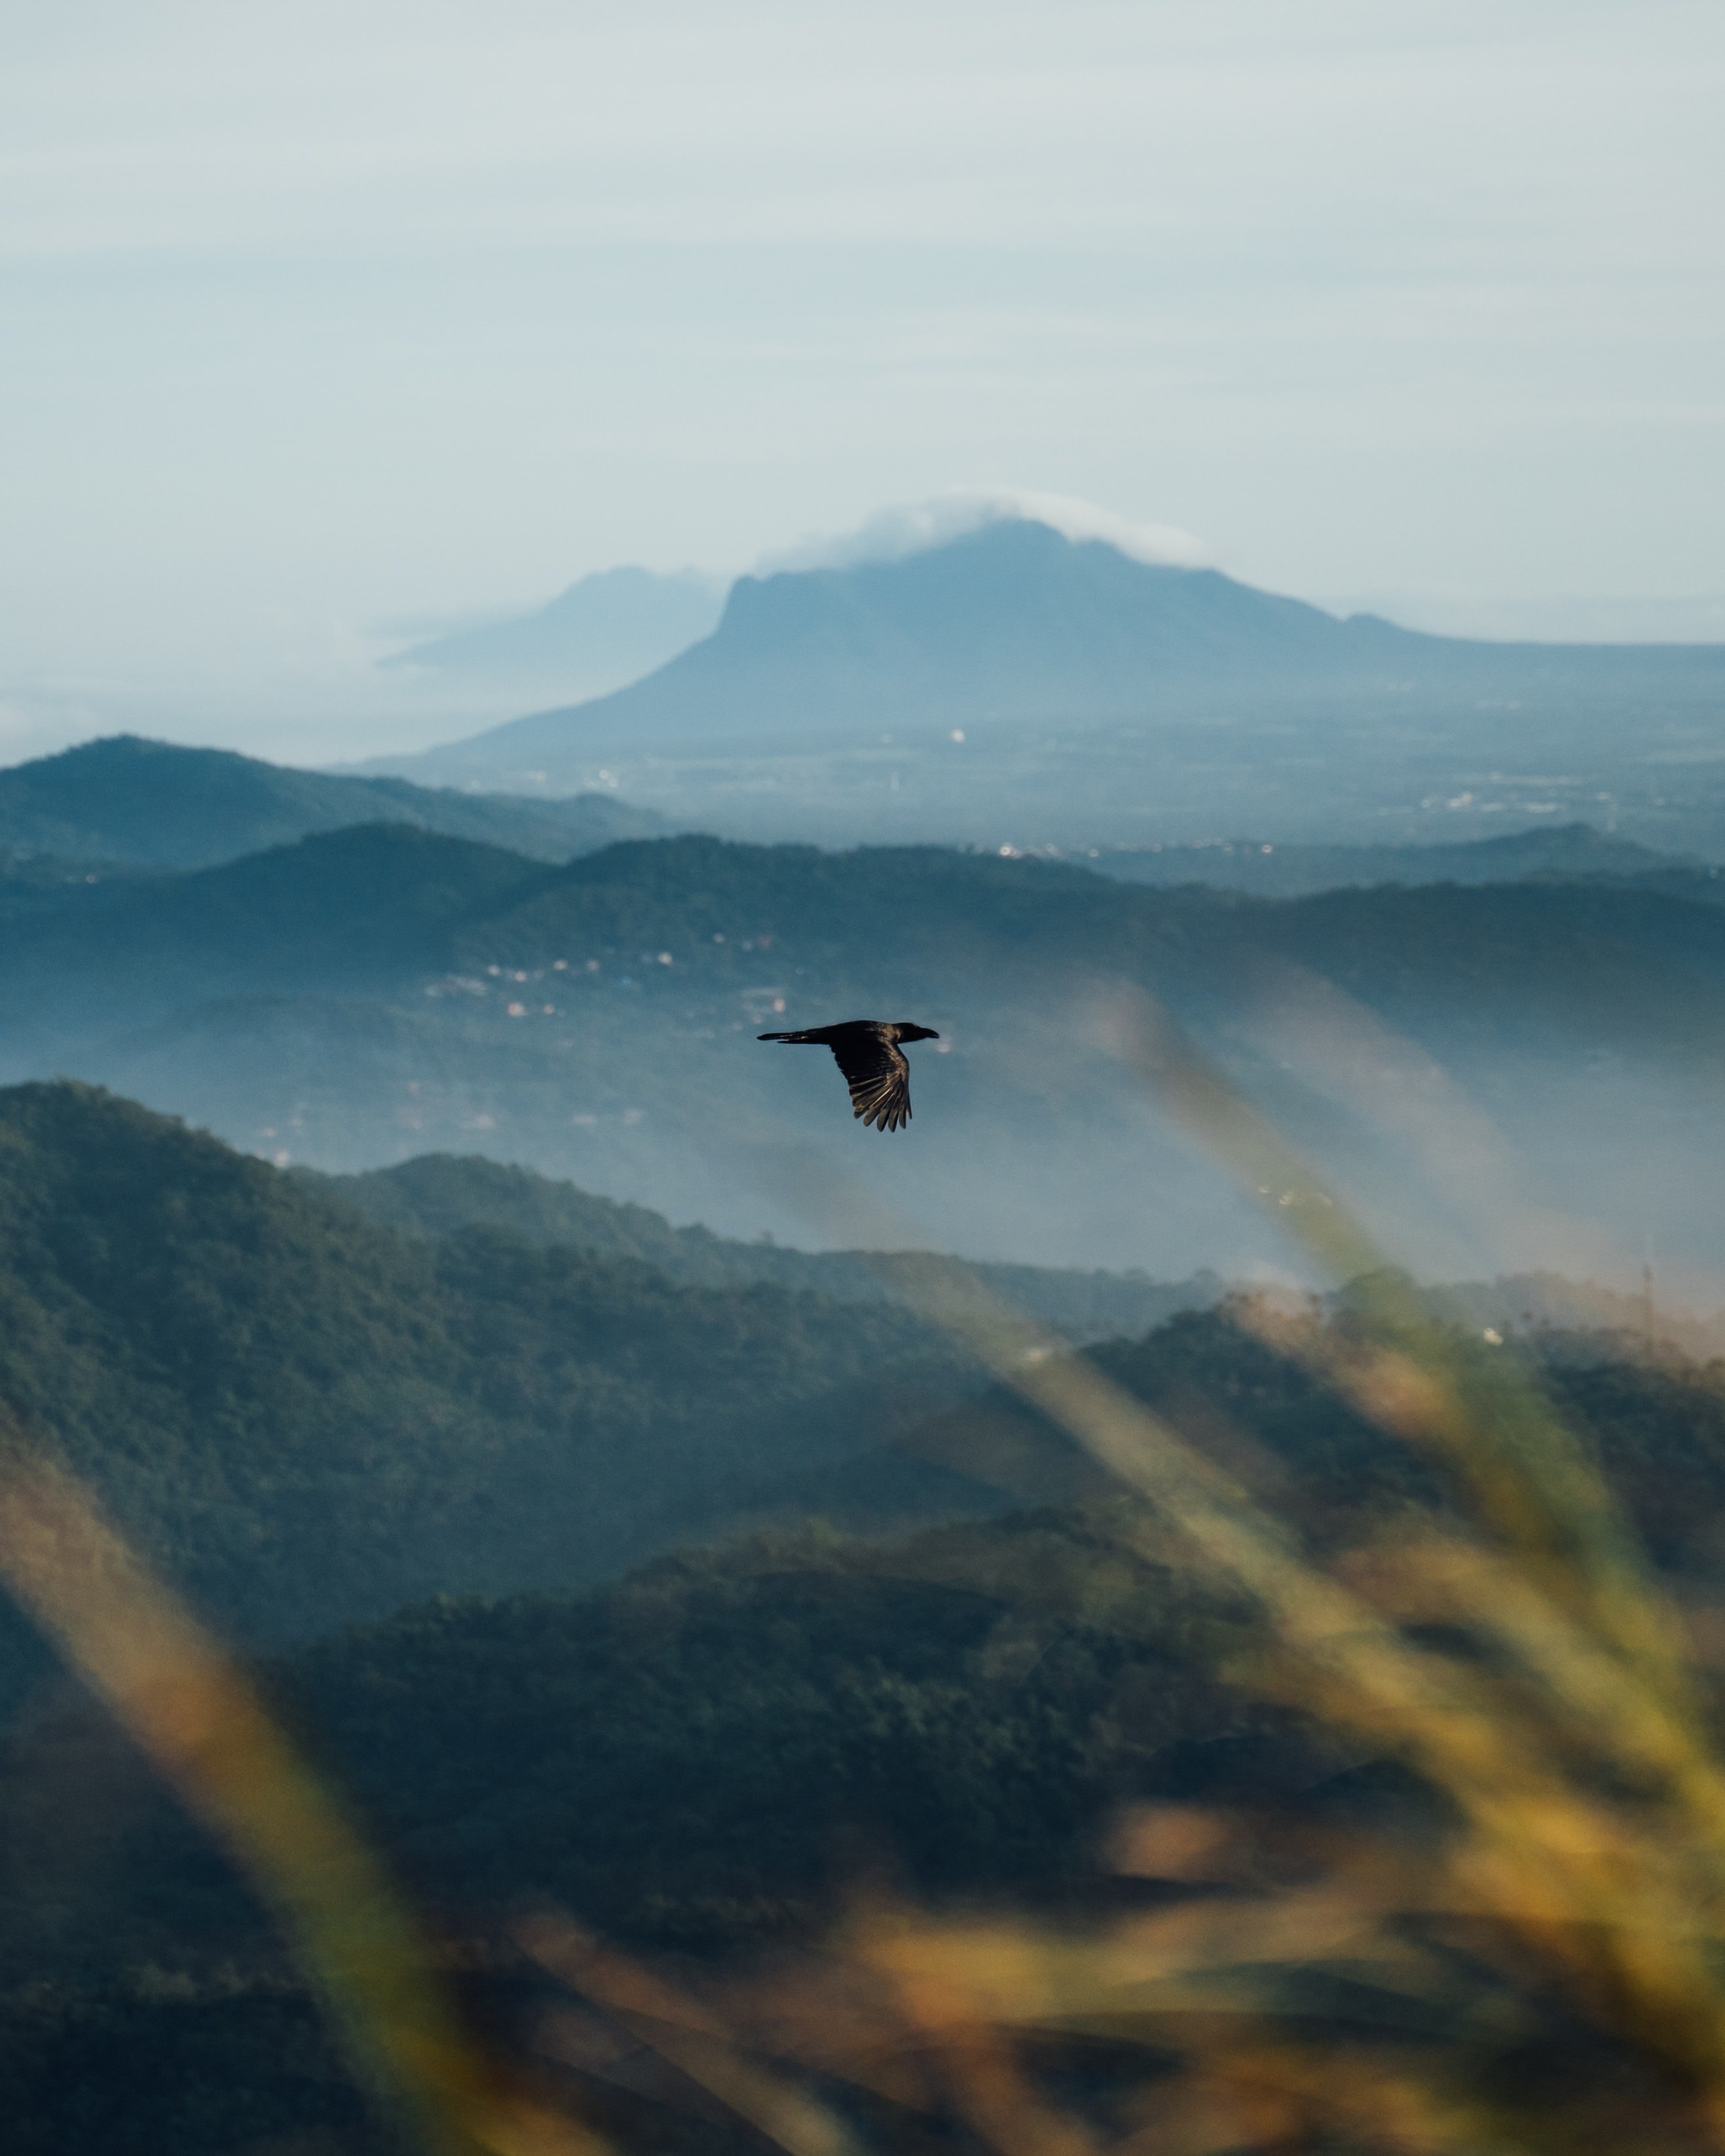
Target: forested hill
(307,1418)
(382,905)
(440,1194)
(371,994)
(699,1756)
(154,805)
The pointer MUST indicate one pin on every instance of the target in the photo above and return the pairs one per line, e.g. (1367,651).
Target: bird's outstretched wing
(878,1076)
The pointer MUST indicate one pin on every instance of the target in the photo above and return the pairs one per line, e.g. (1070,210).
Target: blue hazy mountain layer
(442,1194)
(371,994)
(1013,621)
(1293,872)
(152,804)
(1018,621)
(606,628)
(1015,686)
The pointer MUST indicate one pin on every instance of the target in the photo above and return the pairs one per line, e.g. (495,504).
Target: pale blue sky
(317,315)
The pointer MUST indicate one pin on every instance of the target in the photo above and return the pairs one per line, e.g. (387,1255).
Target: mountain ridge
(379,993)
(603,631)
(992,624)
(304,1419)
(1278,870)
(124,799)
(442,1193)
(1011,624)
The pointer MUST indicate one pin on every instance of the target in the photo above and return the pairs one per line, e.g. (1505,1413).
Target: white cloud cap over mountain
(891,535)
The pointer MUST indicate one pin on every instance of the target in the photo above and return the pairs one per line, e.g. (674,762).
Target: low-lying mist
(1532,1087)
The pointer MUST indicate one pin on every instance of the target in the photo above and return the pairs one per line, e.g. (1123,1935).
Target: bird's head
(907,1032)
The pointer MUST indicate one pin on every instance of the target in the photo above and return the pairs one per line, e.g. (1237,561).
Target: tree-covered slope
(372,905)
(368,995)
(700,1754)
(693,918)
(681,1755)
(699,1759)
(440,1194)
(307,1418)
(154,805)
(711,1754)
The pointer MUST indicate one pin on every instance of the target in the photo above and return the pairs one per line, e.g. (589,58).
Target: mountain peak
(1008,618)
(903,529)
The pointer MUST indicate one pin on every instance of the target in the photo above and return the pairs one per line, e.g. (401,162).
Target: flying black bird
(867,1049)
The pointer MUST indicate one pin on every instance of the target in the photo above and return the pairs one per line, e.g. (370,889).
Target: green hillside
(696,1759)
(686,920)
(704,1757)
(373,906)
(439,1195)
(307,1418)
(153,804)
(370,995)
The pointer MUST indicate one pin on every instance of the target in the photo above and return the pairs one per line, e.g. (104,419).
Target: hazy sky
(319,315)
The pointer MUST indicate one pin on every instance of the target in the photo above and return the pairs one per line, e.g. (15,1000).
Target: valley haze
(1003,756)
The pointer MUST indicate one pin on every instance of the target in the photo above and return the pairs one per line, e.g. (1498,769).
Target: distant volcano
(1014,682)
(1012,621)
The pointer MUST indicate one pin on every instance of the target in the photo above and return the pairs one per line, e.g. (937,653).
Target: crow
(867,1049)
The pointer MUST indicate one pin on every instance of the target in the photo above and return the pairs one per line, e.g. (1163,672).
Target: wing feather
(879,1078)
(874,1068)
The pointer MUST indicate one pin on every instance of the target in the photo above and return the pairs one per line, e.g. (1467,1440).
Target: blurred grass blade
(695,2042)
(194,1714)
(1534,1483)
